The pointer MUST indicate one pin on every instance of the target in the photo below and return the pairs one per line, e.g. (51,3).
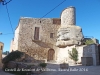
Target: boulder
(11,64)
(21,65)
(69,35)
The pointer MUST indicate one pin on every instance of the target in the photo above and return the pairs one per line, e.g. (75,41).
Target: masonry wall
(15,40)
(37,48)
(68,16)
(1,50)
(63,54)
(92,51)
(83,51)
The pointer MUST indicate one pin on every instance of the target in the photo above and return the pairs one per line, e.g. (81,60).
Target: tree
(73,54)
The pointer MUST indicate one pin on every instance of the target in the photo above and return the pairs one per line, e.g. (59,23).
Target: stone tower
(68,16)
(69,34)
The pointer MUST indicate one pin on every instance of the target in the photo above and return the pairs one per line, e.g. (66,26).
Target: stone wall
(15,41)
(26,41)
(63,54)
(83,51)
(92,51)
(1,50)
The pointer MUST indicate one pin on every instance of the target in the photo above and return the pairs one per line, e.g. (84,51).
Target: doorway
(51,54)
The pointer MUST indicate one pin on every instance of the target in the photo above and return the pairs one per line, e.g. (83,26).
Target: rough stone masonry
(69,34)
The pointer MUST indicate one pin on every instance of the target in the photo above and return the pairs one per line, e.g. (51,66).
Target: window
(36,33)
(57,21)
(40,21)
(1,47)
(51,35)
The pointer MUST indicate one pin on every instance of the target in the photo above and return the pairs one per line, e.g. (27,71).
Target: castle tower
(68,16)
(69,34)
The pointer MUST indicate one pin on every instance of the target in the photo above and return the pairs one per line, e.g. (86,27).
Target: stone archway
(51,54)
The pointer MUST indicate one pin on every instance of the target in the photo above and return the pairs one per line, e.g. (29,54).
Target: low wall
(83,51)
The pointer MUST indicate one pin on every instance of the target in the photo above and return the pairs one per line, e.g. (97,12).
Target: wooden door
(51,53)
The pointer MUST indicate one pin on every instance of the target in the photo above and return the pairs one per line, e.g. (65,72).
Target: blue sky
(87,15)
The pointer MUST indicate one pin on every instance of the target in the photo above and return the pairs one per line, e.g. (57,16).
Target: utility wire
(53,9)
(40,18)
(6,33)
(10,22)
(9,18)
(4,2)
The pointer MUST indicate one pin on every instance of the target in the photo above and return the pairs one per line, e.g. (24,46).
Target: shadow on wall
(43,44)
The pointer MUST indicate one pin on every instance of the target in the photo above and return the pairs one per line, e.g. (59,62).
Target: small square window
(51,35)
(57,21)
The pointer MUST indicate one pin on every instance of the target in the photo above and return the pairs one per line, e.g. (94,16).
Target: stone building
(49,38)
(1,50)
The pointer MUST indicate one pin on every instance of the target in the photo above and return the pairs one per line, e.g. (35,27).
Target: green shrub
(74,55)
(43,65)
(12,56)
(88,42)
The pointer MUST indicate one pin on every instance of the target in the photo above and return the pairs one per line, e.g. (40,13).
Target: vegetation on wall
(88,42)
(73,54)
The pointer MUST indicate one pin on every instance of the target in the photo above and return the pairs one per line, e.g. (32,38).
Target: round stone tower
(68,16)
(69,34)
